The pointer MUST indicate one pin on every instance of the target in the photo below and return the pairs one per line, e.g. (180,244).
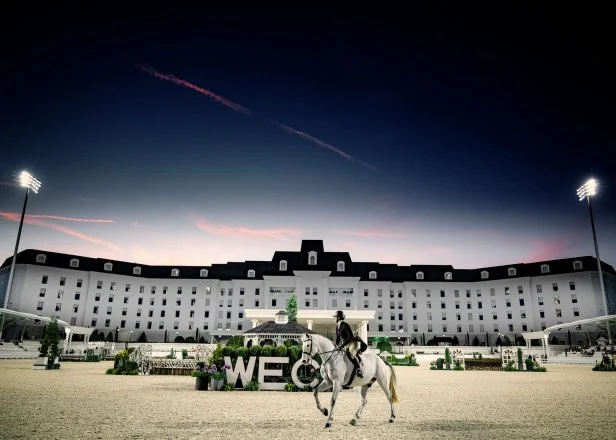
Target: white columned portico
(363,331)
(309,324)
(67,341)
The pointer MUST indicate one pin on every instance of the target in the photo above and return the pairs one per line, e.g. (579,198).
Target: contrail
(180,82)
(13,216)
(246,111)
(70,219)
(321,144)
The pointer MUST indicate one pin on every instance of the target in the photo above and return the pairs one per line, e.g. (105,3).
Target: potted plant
(447,359)
(202,375)
(218,375)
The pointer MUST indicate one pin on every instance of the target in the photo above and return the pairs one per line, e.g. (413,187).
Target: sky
(454,135)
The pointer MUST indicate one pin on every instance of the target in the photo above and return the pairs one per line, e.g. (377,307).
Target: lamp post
(31,183)
(584,192)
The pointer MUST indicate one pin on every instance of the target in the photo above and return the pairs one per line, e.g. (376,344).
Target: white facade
(213,308)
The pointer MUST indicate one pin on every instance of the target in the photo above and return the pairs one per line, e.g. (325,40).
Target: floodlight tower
(31,183)
(585,192)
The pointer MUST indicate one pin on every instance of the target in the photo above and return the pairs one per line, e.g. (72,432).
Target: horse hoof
(328,425)
(325,412)
(391,420)
(353,422)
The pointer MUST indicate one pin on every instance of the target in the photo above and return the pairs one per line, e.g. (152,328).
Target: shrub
(255,350)
(447,356)
(509,366)
(229,387)
(280,350)
(253,385)
(483,364)
(458,366)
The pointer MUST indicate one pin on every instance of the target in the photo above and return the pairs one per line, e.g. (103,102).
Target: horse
(337,369)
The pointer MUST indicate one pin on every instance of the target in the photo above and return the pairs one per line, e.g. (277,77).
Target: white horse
(336,371)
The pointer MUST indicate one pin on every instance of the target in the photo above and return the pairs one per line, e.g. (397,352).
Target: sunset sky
(411,136)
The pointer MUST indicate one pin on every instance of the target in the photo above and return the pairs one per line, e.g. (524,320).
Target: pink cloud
(440,250)
(69,219)
(547,250)
(371,232)
(242,231)
(38,221)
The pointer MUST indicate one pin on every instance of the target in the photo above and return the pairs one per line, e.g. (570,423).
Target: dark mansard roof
(299,261)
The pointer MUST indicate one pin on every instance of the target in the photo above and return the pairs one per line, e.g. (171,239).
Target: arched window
(577,265)
(545,268)
(74,263)
(251,273)
(312,258)
(108,267)
(175,272)
(340,266)
(448,276)
(372,275)
(203,273)
(136,270)
(40,258)
(419,275)
(512,271)
(484,275)
(283,265)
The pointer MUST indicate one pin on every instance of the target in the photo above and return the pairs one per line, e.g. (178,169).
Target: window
(95,310)
(175,272)
(109,310)
(44,279)
(576,311)
(577,265)
(493,303)
(506,290)
(540,300)
(108,267)
(492,291)
(194,290)
(559,313)
(74,263)
(541,314)
(448,276)
(126,300)
(456,293)
(60,294)
(136,270)
(573,298)
(282,266)
(40,258)
(468,293)
(419,275)
(179,292)
(312,258)
(555,287)
(484,275)
(478,293)
(556,299)
(520,290)
(442,305)
(372,275)
(511,272)
(127,288)
(571,285)
(58,307)
(442,294)
(251,273)
(340,266)
(79,282)
(334,302)
(545,268)
(203,273)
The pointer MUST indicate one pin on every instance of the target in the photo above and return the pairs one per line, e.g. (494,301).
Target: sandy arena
(80,402)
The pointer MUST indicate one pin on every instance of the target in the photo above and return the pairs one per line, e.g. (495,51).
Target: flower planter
(40,363)
(201,383)
(218,384)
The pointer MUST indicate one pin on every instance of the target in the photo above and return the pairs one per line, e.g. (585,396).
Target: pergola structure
(69,330)
(276,332)
(543,335)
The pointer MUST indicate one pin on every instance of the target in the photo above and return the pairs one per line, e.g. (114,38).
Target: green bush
(509,366)
(280,350)
(255,350)
(483,364)
(253,385)
(229,387)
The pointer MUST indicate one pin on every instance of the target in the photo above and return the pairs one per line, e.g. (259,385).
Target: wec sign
(245,373)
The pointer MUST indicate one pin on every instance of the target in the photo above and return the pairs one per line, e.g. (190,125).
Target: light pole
(584,192)
(31,183)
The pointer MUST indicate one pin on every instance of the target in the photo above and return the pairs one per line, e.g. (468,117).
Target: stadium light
(31,183)
(585,192)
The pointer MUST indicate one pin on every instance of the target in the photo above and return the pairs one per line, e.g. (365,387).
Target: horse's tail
(392,383)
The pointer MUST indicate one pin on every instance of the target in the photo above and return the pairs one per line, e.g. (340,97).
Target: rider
(344,336)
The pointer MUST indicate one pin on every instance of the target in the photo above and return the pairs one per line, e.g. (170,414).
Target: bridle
(309,353)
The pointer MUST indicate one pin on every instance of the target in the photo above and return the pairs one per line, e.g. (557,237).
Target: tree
(109,337)
(236,341)
(142,338)
(50,346)
(292,308)
(455,340)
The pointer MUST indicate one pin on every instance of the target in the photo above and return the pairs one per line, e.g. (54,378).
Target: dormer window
(448,276)
(577,265)
(312,258)
(203,273)
(175,272)
(40,258)
(74,263)
(282,266)
(251,273)
(484,275)
(511,272)
(545,268)
(340,266)
(136,270)
(108,267)
(372,275)
(419,275)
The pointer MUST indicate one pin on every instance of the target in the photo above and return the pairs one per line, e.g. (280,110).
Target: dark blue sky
(480,122)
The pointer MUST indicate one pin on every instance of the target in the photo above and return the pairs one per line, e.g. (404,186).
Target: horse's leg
(337,386)
(323,386)
(383,378)
(362,402)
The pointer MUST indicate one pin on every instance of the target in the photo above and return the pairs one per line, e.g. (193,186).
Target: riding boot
(357,367)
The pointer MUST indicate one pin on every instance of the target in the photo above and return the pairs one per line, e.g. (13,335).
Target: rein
(321,353)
